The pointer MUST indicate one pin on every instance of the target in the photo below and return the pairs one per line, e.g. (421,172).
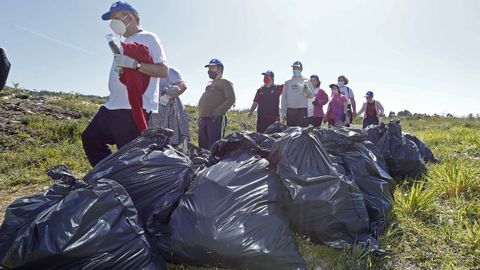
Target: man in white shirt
(114,123)
(348,93)
(295,95)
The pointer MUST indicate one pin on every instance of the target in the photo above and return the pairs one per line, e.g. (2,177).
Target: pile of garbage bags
(238,205)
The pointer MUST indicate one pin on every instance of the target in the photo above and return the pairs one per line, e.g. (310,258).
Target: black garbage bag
(75,226)
(4,68)
(402,155)
(323,205)
(232,217)
(374,133)
(363,163)
(425,151)
(238,143)
(201,158)
(275,127)
(155,175)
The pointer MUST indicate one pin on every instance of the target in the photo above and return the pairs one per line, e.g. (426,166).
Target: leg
(96,137)
(203,132)
(291,117)
(123,127)
(315,121)
(302,120)
(216,129)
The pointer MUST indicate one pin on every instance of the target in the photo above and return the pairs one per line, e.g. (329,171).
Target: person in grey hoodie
(296,93)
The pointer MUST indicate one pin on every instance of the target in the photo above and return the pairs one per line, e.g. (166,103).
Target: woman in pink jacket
(320,99)
(337,108)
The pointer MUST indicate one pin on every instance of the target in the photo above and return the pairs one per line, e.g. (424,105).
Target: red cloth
(136,82)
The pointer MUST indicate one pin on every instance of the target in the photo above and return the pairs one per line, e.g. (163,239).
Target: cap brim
(106,16)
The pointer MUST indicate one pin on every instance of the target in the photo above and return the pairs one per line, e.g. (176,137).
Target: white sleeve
(174,76)
(156,50)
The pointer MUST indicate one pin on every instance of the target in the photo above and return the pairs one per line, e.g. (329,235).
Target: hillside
(436,224)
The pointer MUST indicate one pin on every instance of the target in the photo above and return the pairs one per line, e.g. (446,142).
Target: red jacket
(136,81)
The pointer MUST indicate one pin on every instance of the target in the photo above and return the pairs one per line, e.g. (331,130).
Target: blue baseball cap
(269,73)
(369,94)
(118,6)
(297,64)
(214,62)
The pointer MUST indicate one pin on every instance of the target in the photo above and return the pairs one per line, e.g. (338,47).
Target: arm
(309,93)
(380,108)
(181,89)
(159,70)
(253,108)
(229,99)
(364,107)
(284,101)
(354,106)
(322,98)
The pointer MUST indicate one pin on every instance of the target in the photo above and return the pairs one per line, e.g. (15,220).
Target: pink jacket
(321,98)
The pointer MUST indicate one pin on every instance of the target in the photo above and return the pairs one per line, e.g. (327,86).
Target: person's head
(215,69)
(124,18)
(369,96)
(268,77)
(315,81)
(335,89)
(297,68)
(342,80)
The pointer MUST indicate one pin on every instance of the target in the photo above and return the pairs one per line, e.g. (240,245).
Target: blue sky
(417,55)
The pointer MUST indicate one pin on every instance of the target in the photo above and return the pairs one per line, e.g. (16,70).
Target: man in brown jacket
(213,106)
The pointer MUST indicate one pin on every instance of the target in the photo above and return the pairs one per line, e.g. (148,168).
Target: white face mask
(341,84)
(118,27)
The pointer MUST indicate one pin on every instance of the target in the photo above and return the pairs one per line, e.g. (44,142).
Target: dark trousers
(264,122)
(108,127)
(297,117)
(315,121)
(211,130)
(370,121)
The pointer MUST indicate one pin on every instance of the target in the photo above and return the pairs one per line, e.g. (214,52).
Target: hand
(164,99)
(125,61)
(354,114)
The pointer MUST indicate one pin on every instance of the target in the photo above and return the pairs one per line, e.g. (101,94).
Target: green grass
(436,221)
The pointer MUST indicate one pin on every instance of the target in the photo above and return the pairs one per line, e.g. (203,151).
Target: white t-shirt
(118,98)
(310,100)
(348,93)
(174,76)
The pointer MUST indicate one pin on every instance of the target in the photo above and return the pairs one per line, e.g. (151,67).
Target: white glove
(118,69)
(125,61)
(164,100)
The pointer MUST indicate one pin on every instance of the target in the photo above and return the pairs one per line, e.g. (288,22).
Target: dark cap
(269,73)
(214,62)
(297,64)
(118,6)
(333,85)
(369,94)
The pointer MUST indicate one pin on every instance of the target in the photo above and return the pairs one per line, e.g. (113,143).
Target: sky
(423,56)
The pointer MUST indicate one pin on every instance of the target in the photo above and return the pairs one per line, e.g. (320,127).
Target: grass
(436,221)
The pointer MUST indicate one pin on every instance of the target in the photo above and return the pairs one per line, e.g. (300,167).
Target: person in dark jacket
(267,99)
(4,68)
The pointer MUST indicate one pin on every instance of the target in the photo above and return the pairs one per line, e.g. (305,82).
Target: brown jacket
(217,98)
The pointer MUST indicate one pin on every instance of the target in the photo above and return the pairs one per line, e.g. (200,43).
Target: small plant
(354,257)
(418,200)
(455,177)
